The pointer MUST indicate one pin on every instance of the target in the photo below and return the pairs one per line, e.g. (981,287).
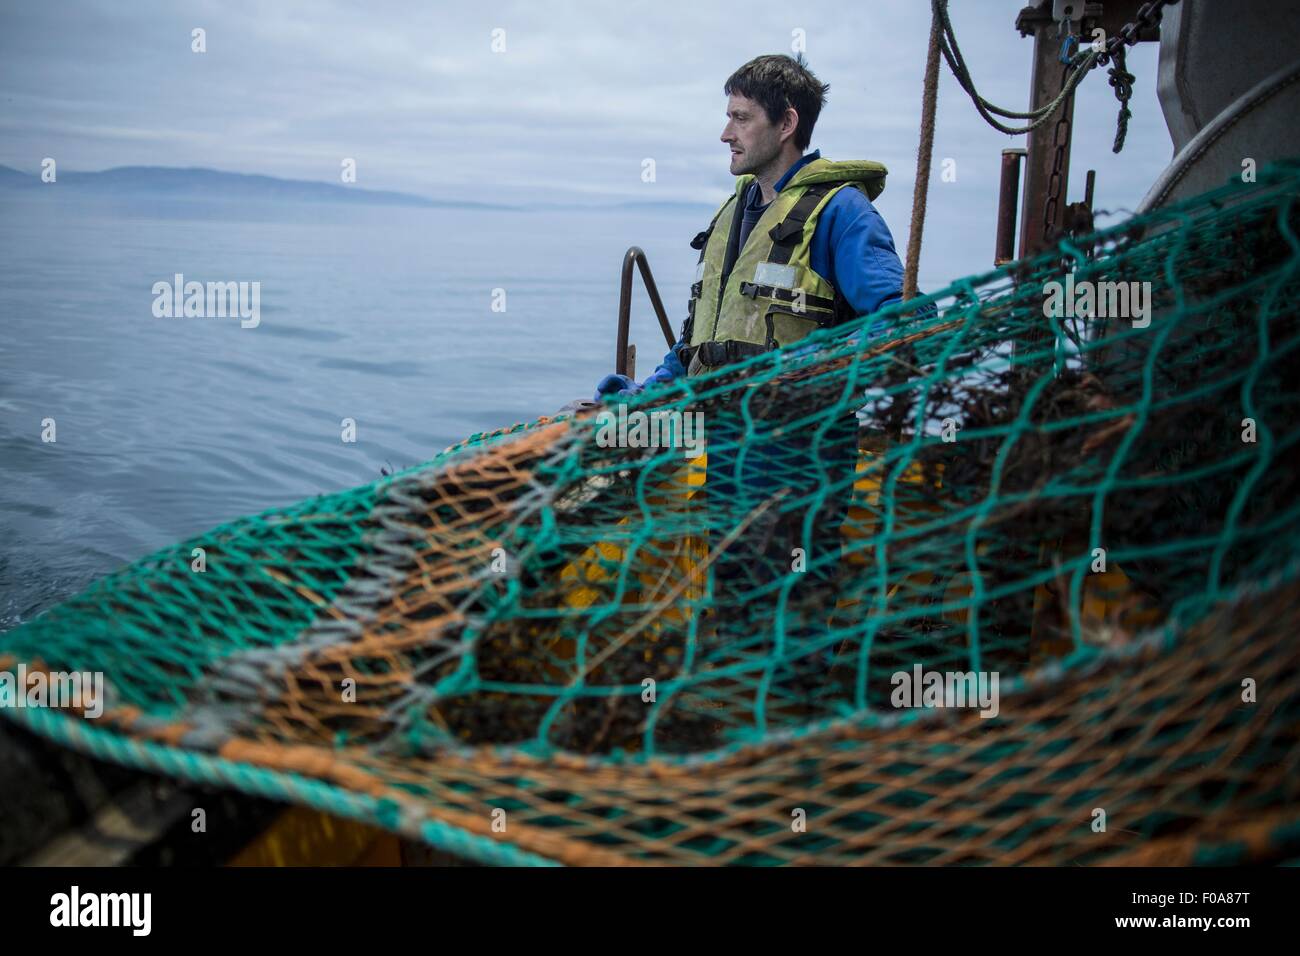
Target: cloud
(583,93)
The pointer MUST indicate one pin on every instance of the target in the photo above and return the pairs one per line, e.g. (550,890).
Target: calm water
(166,427)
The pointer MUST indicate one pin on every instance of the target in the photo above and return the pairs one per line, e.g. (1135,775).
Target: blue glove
(616,385)
(669,369)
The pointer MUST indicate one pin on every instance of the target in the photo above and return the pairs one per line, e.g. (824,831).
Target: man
(832,245)
(798,246)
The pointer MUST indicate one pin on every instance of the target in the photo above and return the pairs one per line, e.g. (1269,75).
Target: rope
(924,153)
(1081,64)
(287,787)
(1122,81)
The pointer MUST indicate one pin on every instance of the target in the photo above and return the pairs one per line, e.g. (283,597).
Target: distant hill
(646,205)
(171,182)
(12,177)
(199,183)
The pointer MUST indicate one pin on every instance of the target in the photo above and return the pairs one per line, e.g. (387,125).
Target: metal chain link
(1052,205)
(1148,15)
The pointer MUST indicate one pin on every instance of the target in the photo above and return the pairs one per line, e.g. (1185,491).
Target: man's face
(755,142)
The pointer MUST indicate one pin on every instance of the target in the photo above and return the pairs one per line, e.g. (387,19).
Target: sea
(123,431)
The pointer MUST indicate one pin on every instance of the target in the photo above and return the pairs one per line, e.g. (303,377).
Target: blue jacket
(851,246)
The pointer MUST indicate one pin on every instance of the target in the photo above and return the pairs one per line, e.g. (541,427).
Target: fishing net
(974,579)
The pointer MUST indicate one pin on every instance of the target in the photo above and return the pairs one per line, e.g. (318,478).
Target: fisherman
(820,233)
(798,246)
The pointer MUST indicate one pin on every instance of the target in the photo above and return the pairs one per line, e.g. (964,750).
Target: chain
(1148,15)
(1052,206)
(1121,80)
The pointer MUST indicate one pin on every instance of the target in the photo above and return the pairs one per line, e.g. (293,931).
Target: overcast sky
(582,94)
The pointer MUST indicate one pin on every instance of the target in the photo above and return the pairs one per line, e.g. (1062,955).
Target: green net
(934,587)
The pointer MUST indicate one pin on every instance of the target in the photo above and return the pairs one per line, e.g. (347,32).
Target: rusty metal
(1078,219)
(1062,133)
(621,357)
(1047,164)
(1004,246)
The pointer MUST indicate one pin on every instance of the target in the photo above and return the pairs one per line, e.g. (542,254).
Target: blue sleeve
(669,369)
(854,251)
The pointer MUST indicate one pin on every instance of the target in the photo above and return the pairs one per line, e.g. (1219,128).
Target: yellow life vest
(750,300)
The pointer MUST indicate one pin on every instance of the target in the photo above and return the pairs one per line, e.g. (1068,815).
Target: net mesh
(1004,575)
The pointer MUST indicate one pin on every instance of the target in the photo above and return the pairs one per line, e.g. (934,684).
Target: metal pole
(1047,167)
(1004,246)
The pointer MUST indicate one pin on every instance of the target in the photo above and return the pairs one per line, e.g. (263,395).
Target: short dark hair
(778,82)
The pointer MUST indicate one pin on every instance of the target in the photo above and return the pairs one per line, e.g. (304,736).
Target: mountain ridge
(202,182)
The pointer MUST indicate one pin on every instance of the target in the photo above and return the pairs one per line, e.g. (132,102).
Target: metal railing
(625,356)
